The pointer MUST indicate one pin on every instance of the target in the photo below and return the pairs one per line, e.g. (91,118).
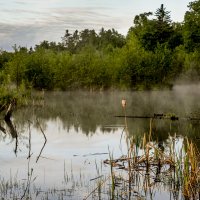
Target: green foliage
(4,58)
(164,61)
(178,60)
(16,67)
(38,70)
(192,65)
(9,92)
(163,16)
(49,45)
(152,32)
(153,54)
(192,27)
(176,37)
(77,41)
(6,95)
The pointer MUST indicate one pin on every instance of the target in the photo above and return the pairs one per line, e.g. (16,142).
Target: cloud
(16,34)
(51,25)
(83,17)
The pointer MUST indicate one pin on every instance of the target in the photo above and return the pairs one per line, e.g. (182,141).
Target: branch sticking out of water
(44,141)
(29,153)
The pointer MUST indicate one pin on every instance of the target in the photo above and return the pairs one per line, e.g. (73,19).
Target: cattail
(123,103)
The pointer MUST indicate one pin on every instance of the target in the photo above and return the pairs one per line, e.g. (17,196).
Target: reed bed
(150,166)
(174,167)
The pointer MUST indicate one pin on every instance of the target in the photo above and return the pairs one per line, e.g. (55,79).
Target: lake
(82,131)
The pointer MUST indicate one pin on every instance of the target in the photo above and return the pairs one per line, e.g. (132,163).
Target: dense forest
(155,53)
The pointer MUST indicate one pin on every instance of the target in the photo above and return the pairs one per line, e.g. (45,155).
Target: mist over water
(78,124)
(87,111)
(189,94)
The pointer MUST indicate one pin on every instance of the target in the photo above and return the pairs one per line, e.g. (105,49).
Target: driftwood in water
(134,116)
(173,118)
(160,116)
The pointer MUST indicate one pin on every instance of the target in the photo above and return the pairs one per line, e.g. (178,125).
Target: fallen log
(134,116)
(173,118)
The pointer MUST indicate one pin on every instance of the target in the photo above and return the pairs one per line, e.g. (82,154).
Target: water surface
(81,130)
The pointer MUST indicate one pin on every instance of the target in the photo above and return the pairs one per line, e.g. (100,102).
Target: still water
(81,131)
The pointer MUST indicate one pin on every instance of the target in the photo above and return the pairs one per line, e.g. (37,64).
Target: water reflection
(87,111)
(79,127)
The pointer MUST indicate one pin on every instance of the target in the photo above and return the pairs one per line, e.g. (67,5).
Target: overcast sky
(28,22)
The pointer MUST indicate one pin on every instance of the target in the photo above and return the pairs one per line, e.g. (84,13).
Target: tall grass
(175,166)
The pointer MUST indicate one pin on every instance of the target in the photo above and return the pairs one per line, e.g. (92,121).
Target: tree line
(154,53)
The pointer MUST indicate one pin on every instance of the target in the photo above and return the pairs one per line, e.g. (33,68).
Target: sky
(29,22)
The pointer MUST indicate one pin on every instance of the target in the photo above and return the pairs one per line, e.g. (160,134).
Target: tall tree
(163,24)
(162,15)
(152,32)
(68,41)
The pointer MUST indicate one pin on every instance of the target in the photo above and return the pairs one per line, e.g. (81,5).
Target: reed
(112,175)
(173,166)
(191,171)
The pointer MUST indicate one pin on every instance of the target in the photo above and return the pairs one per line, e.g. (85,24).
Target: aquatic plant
(180,168)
